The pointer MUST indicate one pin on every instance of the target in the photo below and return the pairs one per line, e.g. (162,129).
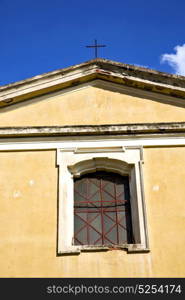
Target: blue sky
(42,36)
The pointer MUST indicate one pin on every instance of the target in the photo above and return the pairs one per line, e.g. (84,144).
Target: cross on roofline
(96,46)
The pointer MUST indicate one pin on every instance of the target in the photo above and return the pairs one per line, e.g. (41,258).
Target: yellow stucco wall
(90,105)
(28,218)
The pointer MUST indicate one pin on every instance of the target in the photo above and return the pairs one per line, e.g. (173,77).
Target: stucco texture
(28,217)
(89,105)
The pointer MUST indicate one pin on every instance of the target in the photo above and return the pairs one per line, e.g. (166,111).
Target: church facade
(92,173)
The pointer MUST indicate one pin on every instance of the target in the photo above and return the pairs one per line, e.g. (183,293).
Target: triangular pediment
(112,72)
(96,92)
(94,103)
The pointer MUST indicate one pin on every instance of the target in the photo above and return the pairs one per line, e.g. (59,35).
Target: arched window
(101,200)
(102,214)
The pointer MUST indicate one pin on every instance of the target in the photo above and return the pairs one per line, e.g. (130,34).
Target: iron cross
(96,46)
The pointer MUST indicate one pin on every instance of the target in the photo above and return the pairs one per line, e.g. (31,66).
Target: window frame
(102,211)
(74,162)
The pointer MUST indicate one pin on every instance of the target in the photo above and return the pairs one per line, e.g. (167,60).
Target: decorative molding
(99,149)
(99,164)
(91,142)
(123,74)
(95,130)
(72,162)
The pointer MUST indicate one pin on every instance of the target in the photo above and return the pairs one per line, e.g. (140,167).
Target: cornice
(94,130)
(106,70)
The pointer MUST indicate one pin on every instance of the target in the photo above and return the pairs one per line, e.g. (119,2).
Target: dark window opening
(102,214)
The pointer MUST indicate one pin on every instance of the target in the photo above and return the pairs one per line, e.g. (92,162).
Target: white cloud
(177,60)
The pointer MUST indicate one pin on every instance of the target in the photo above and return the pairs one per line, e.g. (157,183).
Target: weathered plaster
(110,71)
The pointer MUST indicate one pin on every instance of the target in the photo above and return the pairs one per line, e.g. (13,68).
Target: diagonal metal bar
(89,225)
(76,232)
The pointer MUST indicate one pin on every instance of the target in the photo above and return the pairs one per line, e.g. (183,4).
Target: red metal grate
(102,210)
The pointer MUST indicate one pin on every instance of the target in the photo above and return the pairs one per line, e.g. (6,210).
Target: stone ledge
(129,248)
(86,130)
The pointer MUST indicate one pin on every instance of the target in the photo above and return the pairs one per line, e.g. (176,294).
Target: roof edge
(123,74)
(97,61)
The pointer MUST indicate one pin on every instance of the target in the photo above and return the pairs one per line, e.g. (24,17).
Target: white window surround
(74,162)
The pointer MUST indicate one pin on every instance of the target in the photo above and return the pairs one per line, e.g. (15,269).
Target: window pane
(80,228)
(111,236)
(102,209)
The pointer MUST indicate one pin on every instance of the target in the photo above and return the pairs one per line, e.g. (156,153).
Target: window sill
(130,248)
